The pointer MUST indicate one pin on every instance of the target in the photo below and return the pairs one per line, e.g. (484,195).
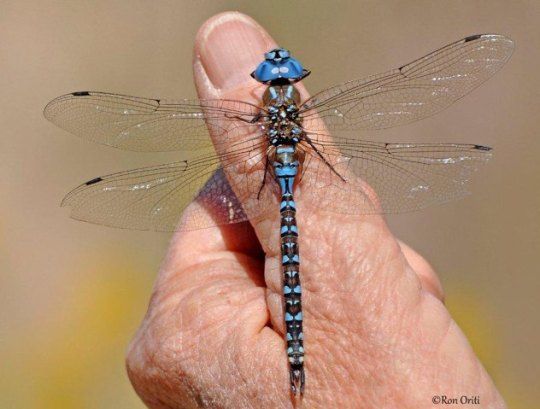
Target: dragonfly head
(279,67)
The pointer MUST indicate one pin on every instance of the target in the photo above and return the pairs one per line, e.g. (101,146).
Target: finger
(427,275)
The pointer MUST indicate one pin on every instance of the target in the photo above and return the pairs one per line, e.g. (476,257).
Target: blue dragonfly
(285,145)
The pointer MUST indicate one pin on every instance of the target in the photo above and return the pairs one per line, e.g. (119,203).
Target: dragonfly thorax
(284,125)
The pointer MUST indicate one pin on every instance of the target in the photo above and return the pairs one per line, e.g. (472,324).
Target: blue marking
(272,108)
(301,336)
(288,317)
(285,149)
(289,230)
(297,317)
(286,171)
(287,205)
(287,259)
(289,350)
(297,289)
(285,183)
(289,337)
(274,95)
(301,349)
(289,93)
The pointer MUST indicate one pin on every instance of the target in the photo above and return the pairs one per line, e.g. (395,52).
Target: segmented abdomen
(291,287)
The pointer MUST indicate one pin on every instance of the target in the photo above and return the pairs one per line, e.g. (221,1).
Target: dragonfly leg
(310,142)
(253,120)
(264,178)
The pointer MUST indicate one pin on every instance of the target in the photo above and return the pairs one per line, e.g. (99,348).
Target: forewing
(141,124)
(411,92)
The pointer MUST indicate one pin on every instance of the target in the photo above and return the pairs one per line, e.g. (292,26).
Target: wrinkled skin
(377,334)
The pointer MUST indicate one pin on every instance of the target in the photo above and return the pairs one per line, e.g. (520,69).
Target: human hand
(377,334)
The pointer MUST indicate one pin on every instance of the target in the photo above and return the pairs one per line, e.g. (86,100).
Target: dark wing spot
(482,148)
(473,37)
(80,94)
(91,182)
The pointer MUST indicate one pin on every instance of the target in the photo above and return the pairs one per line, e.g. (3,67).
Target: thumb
(228,48)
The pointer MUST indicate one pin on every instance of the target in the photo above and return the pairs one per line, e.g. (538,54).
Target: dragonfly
(242,161)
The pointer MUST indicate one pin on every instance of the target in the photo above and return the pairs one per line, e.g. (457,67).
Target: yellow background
(72,294)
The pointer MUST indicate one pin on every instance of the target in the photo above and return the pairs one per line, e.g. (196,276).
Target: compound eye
(284,53)
(270,55)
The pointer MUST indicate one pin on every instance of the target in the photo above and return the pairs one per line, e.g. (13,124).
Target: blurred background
(72,294)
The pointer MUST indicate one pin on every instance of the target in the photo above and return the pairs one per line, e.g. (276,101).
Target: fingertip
(228,47)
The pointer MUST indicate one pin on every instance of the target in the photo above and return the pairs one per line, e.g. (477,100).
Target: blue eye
(284,53)
(270,55)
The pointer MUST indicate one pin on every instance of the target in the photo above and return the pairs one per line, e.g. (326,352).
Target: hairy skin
(377,334)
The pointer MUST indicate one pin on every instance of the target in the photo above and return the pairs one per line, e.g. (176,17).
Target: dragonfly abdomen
(285,166)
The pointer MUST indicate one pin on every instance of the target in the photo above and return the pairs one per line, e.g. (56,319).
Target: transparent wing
(405,177)
(153,198)
(141,124)
(411,92)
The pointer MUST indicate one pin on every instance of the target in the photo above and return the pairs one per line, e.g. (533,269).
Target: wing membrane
(153,198)
(411,92)
(141,124)
(405,177)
